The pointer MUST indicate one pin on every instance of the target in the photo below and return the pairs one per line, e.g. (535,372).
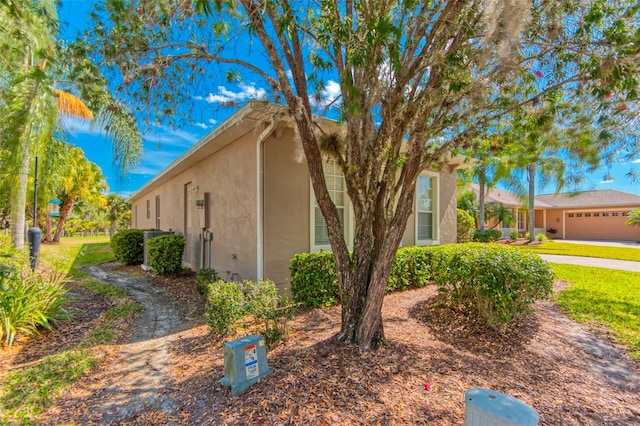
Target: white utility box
(245,362)
(484,407)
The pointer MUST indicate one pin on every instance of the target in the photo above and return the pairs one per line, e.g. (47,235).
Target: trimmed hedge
(128,246)
(165,253)
(466,226)
(498,283)
(487,236)
(495,282)
(314,281)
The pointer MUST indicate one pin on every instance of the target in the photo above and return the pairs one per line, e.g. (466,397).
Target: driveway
(623,265)
(607,243)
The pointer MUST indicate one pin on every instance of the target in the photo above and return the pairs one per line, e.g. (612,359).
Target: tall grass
(29,300)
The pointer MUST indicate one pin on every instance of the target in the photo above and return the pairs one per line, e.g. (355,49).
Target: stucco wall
(286,206)
(448,202)
(229,176)
(554,220)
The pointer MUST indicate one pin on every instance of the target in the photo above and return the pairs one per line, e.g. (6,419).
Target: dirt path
(139,372)
(169,371)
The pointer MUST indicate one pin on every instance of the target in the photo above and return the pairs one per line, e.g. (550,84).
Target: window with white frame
(520,219)
(425,207)
(336,187)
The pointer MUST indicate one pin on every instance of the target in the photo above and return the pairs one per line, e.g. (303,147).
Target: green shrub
(411,268)
(165,253)
(313,279)
(514,235)
(497,283)
(225,306)
(271,311)
(466,226)
(128,246)
(229,302)
(487,235)
(541,237)
(29,301)
(204,277)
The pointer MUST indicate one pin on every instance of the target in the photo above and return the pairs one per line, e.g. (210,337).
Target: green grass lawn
(70,257)
(25,392)
(587,250)
(607,296)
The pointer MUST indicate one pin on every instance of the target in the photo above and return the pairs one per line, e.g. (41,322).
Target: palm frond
(70,105)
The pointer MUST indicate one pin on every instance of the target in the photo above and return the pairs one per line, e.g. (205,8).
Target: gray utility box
(484,407)
(146,236)
(245,362)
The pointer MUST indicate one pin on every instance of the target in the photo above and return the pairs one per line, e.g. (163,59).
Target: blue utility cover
(245,363)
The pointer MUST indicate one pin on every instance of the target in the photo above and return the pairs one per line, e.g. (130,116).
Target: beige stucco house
(591,215)
(585,215)
(242,198)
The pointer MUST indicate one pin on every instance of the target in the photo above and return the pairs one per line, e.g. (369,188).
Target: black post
(34,234)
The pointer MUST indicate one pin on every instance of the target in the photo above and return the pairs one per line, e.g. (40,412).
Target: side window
(424,209)
(148,209)
(336,188)
(158,212)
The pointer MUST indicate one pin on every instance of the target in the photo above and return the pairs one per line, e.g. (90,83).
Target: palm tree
(32,107)
(118,213)
(500,213)
(81,180)
(633,219)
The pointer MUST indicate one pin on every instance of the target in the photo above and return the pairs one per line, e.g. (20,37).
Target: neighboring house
(591,215)
(243,200)
(515,204)
(585,215)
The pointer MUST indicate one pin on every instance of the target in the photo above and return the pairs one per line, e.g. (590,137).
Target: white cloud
(607,180)
(247,91)
(212,121)
(166,135)
(636,161)
(331,91)
(328,95)
(201,125)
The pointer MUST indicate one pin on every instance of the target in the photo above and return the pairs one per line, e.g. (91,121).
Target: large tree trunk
(531,174)
(363,277)
(65,209)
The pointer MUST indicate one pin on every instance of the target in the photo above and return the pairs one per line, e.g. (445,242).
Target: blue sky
(162,144)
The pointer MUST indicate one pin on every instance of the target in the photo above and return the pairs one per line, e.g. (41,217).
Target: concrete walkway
(623,265)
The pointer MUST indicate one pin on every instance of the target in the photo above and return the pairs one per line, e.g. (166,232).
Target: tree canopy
(419,82)
(39,81)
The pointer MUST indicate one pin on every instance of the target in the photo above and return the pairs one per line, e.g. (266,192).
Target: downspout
(260,194)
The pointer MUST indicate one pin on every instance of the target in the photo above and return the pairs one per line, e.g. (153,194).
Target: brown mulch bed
(544,360)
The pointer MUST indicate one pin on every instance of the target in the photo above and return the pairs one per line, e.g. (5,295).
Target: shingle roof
(598,198)
(509,199)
